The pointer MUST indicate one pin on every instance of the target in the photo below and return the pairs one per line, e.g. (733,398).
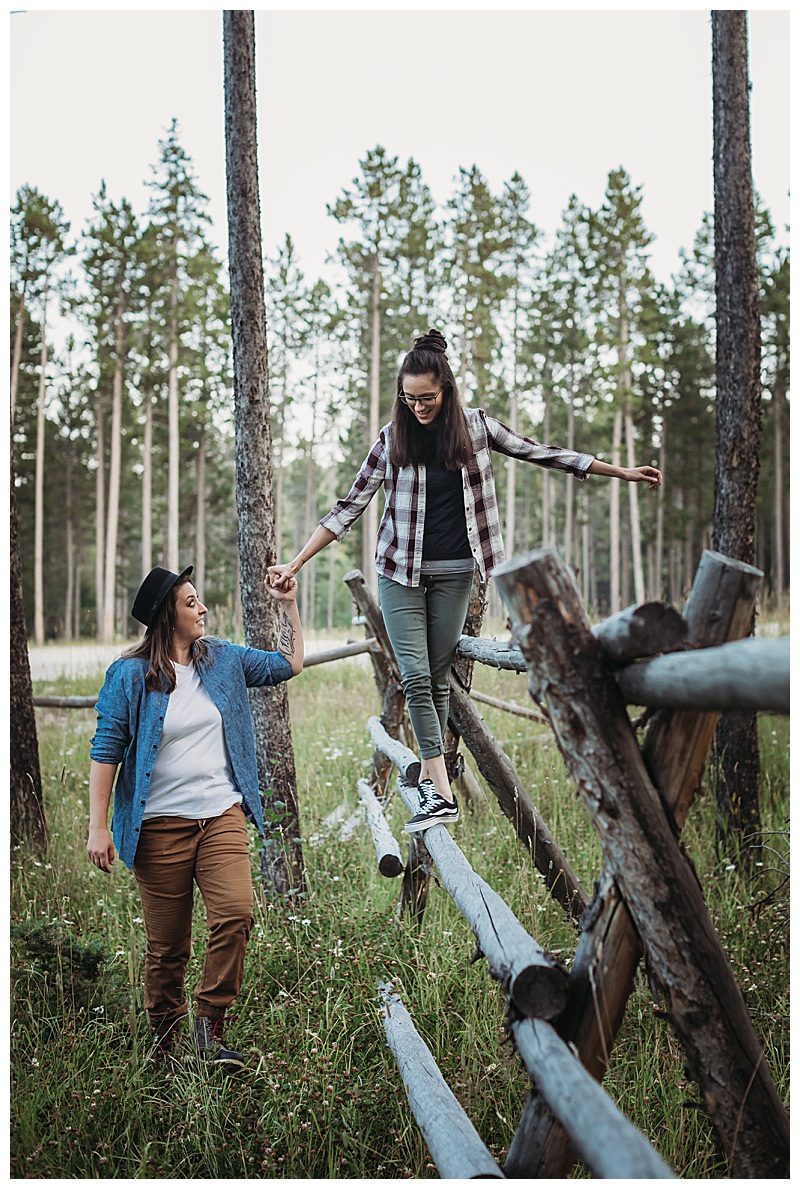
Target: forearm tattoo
(286,641)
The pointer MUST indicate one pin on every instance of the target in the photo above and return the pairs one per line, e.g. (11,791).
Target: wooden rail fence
(685,669)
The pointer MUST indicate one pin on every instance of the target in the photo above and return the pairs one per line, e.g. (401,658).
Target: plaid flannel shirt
(398,553)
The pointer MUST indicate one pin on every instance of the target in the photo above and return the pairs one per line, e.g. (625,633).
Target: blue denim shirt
(130,720)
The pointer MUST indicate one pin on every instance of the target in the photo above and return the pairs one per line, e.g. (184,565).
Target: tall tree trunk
(114,476)
(68,525)
(585,560)
(282,855)
(657,588)
(633,488)
(38,547)
(200,518)
(147,485)
(738,385)
(77,609)
(547,487)
(511,463)
(17,356)
(26,806)
(614,514)
(569,491)
(370,517)
(173,479)
(778,578)
(100,516)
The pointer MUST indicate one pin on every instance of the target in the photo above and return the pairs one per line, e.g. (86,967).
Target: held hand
(280,576)
(649,475)
(100,848)
(286,592)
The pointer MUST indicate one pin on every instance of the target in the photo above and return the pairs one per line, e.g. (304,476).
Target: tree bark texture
(654,876)
(738,382)
(282,855)
(26,808)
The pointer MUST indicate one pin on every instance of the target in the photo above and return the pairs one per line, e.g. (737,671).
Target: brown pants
(172,854)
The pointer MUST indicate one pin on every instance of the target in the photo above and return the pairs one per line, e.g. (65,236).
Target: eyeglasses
(425,401)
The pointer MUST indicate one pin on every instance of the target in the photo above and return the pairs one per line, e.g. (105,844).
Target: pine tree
(619,243)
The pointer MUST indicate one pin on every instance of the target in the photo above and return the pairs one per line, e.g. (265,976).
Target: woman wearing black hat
(174,727)
(441,522)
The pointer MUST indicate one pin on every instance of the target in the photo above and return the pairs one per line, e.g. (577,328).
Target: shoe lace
(427,794)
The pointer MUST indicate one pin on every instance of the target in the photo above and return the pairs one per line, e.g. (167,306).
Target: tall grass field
(321,1096)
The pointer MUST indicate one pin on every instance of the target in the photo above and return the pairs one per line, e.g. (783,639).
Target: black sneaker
(210,1047)
(433,809)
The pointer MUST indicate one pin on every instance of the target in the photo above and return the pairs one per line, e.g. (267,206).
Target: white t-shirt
(192,774)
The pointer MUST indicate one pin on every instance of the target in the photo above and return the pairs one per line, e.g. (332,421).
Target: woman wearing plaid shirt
(441,521)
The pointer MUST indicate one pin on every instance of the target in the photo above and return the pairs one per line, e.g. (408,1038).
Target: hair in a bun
(432,341)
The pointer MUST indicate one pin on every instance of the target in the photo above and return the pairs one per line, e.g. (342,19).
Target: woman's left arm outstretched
(649,475)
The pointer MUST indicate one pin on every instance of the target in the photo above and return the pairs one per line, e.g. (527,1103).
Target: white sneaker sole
(436,821)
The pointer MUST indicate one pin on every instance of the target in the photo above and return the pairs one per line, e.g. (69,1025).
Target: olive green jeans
(424,624)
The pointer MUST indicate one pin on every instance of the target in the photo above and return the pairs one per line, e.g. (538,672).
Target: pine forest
(123,424)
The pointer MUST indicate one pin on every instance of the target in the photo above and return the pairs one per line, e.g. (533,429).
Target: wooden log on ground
(567,672)
(642,630)
(387,850)
(744,675)
(343,650)
(454,1144)
(535,980)
(501,776)
(509,707)
(397,752)
(607,1143)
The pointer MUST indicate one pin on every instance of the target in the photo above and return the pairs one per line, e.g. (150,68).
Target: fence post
(567,671)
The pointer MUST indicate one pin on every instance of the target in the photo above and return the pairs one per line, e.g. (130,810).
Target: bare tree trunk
(173,476)
(547,522)
(282,855)
(38,551)
(147,485)
(658,585)
(614,501)
(778,578)
(76,601)
(569,491)
(738,384)
(370,517)
(633,488)
(200,517)
(114,474)
(68,526)
(100,517)
(26,807)
(15,362)
(511,463)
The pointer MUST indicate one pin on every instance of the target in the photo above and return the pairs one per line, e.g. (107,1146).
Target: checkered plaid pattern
(398,554)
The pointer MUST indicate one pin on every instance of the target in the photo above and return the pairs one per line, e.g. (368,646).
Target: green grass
(322,1097)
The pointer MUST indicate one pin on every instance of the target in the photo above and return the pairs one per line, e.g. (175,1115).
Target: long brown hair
(154,645)
(450,446)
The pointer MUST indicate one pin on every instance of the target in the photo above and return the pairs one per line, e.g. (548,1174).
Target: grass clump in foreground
(322,1097)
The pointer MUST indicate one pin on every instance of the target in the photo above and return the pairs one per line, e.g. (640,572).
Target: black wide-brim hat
(151,594)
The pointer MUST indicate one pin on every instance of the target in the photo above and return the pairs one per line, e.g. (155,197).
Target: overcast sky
(561,97)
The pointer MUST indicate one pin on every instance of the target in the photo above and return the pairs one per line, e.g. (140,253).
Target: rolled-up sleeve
(346,512)
(112,734)
(263,668)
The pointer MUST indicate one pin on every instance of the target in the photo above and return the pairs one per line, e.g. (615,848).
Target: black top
(445,537)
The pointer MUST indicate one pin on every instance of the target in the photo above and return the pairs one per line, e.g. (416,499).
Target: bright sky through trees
(562,97)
